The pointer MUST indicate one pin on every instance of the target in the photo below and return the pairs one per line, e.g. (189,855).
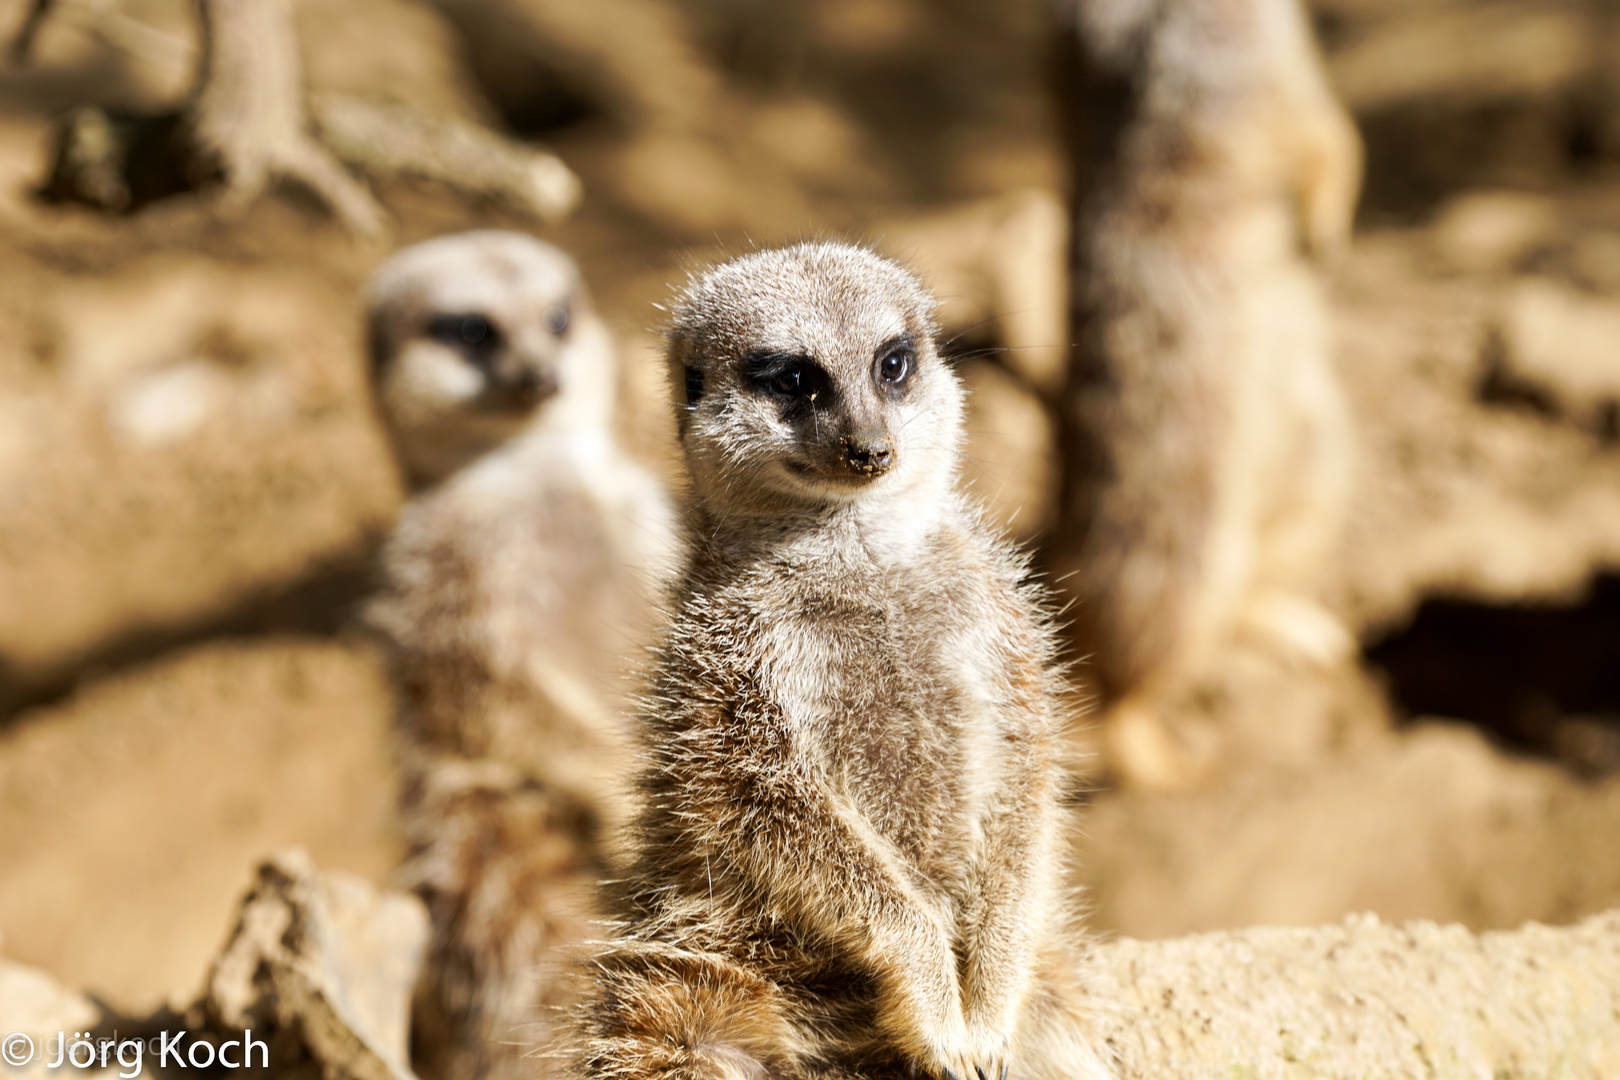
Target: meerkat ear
(686,383)
(685,378)
(378,344)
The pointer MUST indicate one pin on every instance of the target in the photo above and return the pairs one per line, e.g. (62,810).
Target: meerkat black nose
(868,455)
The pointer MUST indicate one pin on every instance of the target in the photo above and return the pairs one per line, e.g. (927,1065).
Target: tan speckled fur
(1206,444)
(522,589)
(846,858)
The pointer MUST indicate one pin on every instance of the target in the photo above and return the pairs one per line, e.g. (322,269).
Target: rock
(320,967)
(319,971)
(1492,230)
(1358,999)
(1456,495)
(1455,95)
(36,1007)
(689,184)
(324,965)
(1561,348)
(1364,999)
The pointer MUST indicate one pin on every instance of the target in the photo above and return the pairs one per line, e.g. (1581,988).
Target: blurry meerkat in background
(1206,448)
(522,583)
(846,860)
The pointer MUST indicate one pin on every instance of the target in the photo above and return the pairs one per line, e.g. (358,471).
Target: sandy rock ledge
(321,965)
(1364,1000)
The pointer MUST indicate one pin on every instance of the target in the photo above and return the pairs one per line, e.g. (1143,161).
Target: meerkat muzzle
(522,390)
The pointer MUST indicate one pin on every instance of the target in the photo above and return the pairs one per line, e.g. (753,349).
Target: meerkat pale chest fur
(522,584)
(845,857)
(1206,444)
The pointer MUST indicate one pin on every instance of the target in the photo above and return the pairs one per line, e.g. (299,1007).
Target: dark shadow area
(322,603)
(1501,387)
(1420,153)
(119,162)
(915,88)
(1540,679)
(535,86)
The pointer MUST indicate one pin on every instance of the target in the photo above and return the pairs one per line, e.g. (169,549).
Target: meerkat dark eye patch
(895,364)
(796,381)
(473,334)
(694,385)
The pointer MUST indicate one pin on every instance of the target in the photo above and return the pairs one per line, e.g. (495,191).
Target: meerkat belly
(902,728)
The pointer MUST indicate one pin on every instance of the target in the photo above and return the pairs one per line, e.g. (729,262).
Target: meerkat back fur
(521,584)
(845,860)
(1206,442)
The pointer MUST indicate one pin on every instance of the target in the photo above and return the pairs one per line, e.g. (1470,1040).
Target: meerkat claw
(980,1070)
(1003,1075)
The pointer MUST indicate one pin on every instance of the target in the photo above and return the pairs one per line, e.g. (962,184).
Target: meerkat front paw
(921,1006)
(948,1048)
(989,1053)
(984,1065)
(991,1067)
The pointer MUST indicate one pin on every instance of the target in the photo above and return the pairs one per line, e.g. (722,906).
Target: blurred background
(192,484)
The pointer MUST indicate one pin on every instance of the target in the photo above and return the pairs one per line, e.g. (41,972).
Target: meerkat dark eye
(794,380)
(557,319)
(474,335)
(895,363)
(800,381)
(694,385)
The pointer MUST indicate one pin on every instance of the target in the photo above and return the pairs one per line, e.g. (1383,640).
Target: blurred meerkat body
(521,585)
(845,858)
(1205,440)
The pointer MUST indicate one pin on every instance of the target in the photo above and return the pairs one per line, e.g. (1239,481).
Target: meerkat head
(809,377)
(475,337)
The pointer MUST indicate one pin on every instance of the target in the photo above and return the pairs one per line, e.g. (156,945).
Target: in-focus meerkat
(522,584)
(845,861)
(1205,442)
